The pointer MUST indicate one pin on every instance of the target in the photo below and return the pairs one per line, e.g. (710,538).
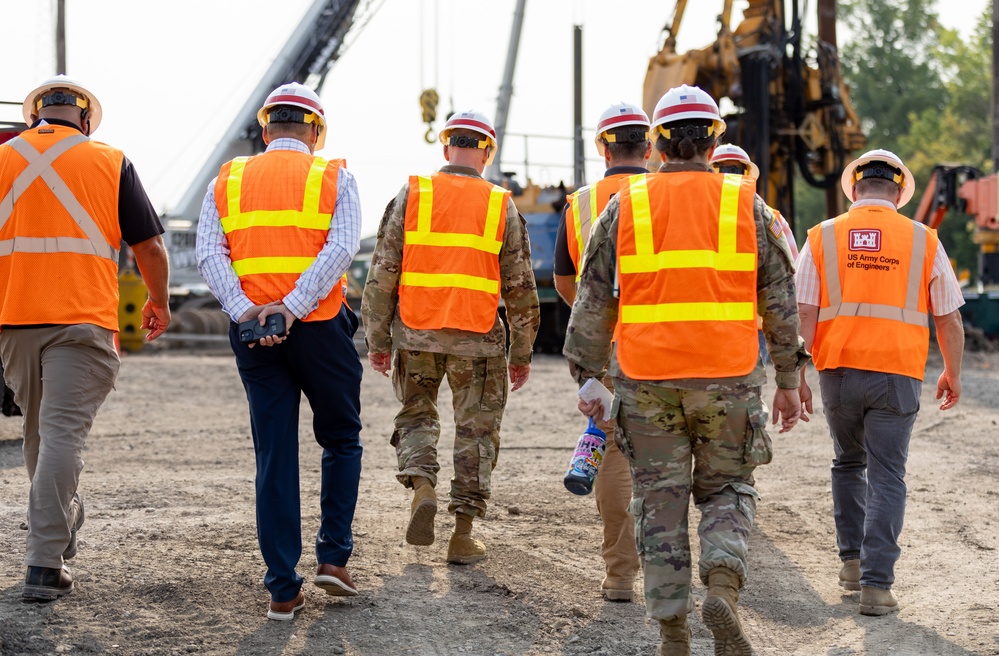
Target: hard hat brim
(94,106)
(908,184)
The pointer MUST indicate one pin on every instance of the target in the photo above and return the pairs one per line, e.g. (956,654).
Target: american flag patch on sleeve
(775,227)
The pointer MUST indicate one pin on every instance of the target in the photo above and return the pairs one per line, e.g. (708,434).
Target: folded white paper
(593,389)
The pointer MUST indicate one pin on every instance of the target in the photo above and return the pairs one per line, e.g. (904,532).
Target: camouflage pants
(684,443)
(479,390)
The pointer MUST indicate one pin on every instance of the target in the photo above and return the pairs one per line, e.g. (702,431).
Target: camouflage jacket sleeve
(594,314)
(777,303)
(381,290)
(519,290)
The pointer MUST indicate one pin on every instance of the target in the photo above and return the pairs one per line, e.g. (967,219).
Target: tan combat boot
(463,549)
(849,575)
(421,520)
(877,601)
(675,636)
(720,614)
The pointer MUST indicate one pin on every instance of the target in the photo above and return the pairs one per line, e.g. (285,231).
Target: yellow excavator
(787,105)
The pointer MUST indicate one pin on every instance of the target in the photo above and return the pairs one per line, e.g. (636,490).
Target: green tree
(890,65)
(960,132)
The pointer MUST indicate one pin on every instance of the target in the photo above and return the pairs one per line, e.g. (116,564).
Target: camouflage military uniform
(475,364)
(663,425)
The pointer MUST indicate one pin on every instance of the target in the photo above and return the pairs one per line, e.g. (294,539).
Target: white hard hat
(732,153)
(900,175)
(32,102)
(684,103)
(619,115)
(475,121)
(296,95)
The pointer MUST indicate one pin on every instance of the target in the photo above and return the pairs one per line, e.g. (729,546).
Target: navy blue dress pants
(319,360)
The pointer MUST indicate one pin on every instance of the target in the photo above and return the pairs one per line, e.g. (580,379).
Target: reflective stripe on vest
(726,258)
(585,210)
(450,278)
(837,308)
(40,166)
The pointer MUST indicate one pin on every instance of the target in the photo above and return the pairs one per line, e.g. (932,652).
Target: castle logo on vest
(865,240)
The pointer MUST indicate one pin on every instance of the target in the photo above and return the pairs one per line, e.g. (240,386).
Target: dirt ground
(168,561)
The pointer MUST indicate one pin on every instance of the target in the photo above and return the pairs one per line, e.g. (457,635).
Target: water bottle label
(588,456)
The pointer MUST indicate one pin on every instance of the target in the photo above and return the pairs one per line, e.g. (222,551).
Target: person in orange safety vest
(67,203)
(868,282)
(277,233)
(677,268)
(451,246)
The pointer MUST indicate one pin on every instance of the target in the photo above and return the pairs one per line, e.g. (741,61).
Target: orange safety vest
(450,256)
(59,231)
(584,206)
(686,261)
(874,269)
(276,229)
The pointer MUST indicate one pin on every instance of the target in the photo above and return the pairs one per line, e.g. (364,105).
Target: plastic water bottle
(586,460)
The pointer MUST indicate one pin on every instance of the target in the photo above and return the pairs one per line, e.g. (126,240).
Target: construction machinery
(967,190)
(790,109)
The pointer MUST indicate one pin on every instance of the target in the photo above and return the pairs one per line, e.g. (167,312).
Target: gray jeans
(60,376)
(870,416)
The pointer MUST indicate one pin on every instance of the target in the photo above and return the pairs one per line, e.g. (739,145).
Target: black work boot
(46,583)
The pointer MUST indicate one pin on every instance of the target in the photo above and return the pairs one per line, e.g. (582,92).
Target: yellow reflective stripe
(233,185)
(496,198)
(641,215)
(314,186)
(426,205)
(447,239)
(576,221)
(459,280)
(276,219)
(666,312)
(728,213)
(252,265)
(725,259)
(687,260)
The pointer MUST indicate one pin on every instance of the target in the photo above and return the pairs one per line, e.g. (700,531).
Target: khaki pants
(612,490)
(60,376)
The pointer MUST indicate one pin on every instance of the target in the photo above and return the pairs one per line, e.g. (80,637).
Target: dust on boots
(674,635)
(720,614)
(462,548)
(422,513)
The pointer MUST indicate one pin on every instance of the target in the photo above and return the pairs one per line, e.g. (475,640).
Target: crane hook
(428,103)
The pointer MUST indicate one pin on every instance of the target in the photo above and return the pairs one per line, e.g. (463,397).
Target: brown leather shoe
(46,583)
(335,581)
(285,610)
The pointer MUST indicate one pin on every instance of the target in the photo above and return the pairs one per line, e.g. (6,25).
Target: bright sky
(172,76)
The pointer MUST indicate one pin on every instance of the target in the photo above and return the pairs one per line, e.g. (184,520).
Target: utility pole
(60,37)
(827,34)
(579,159)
